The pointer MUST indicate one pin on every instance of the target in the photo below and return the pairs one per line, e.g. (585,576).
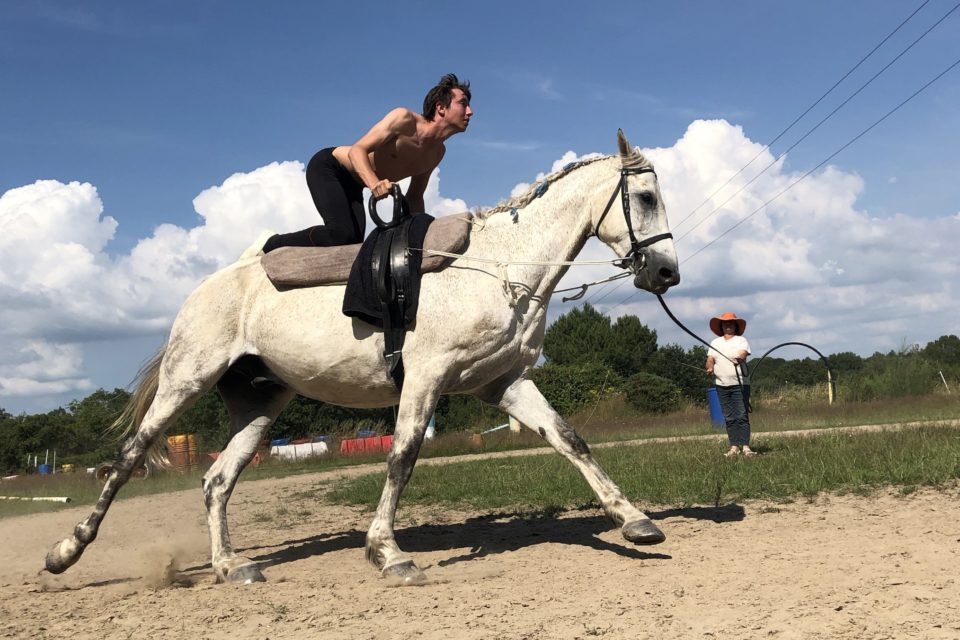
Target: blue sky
(147,106)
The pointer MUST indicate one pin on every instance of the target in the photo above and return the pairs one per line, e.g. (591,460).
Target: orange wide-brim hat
(715,325)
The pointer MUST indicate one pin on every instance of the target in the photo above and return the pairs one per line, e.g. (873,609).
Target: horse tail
(129,420)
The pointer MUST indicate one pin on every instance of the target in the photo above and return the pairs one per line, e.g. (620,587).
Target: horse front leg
(523,401)
(251,411)
(417,403)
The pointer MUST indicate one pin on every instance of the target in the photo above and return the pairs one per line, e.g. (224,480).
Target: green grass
(687,473)
(82,489)
(85,489)
(610,420)
(613,419)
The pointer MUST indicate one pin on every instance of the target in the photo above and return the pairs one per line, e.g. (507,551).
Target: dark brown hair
(443,94)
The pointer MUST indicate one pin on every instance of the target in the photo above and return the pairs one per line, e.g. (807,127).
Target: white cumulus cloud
(60,288)
(806,264)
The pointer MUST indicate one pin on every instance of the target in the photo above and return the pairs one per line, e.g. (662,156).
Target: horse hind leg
(252,409)
(161,397)
(524,402)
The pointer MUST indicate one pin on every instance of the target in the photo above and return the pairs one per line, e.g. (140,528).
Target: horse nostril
(669,277)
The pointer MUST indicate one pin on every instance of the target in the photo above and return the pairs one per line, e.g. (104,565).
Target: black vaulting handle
(401,209)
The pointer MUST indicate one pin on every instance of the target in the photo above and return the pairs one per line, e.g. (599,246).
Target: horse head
(640,233)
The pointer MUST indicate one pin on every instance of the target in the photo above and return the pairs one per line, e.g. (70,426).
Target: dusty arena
(838,567)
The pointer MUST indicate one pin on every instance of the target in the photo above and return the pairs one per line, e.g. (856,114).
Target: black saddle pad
(361,300)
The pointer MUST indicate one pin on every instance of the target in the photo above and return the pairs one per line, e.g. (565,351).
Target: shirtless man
(403,144)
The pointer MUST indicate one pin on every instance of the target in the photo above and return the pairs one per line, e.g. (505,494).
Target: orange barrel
(68,468)
(179,452)
(193,452)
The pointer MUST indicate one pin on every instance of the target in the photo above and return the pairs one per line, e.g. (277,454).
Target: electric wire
(825,161)
(907,19)
(801,116)
(817,126)
(805,175)
(830,157)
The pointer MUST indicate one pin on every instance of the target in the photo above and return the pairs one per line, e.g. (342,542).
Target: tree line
(586,355)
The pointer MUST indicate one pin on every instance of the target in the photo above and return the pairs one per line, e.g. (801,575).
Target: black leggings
(338,196)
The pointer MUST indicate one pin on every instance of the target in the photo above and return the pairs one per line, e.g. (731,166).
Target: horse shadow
(491,534)
(718,514)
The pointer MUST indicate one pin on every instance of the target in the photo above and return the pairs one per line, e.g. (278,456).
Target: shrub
(652,394)
(586,335)
(683,368)
(890,377)
(569,387)
(466,413)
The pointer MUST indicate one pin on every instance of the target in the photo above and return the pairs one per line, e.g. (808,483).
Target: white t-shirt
(723,369)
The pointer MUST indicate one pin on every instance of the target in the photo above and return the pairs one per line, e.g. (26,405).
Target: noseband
(635,245)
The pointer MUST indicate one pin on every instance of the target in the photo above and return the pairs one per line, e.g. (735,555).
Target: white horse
(479,331)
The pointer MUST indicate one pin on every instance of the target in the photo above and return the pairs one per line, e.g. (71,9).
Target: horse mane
(537,189)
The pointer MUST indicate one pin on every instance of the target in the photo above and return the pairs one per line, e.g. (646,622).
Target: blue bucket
(44,468)
(716,413)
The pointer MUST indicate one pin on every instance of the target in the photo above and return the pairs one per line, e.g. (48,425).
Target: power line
(887,66)
(800,117)
(827,159)
(790,126)
(805,175)
(817,126)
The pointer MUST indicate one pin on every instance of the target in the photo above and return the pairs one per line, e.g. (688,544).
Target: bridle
(634,260)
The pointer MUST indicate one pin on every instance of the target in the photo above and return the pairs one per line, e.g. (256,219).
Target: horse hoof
(245,574)
(404,573)
(63,555)
(642,532)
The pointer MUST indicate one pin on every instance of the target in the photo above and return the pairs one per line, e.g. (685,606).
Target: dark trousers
(734,403)
(338,196)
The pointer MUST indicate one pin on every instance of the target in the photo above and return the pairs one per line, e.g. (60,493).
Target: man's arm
(381,133)
(418,186)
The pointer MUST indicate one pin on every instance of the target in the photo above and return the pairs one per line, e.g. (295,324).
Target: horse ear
(629,157)
(624,145)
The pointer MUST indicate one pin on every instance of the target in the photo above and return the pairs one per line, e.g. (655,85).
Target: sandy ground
(838,567)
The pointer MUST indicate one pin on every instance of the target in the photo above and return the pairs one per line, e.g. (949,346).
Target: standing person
(726,363)
(402,145)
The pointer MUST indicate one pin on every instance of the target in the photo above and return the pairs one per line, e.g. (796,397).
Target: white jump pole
(502,426)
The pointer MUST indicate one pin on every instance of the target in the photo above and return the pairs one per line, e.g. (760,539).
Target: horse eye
(648,198)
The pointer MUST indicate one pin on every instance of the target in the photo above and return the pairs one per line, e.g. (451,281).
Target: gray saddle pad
(314,266)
